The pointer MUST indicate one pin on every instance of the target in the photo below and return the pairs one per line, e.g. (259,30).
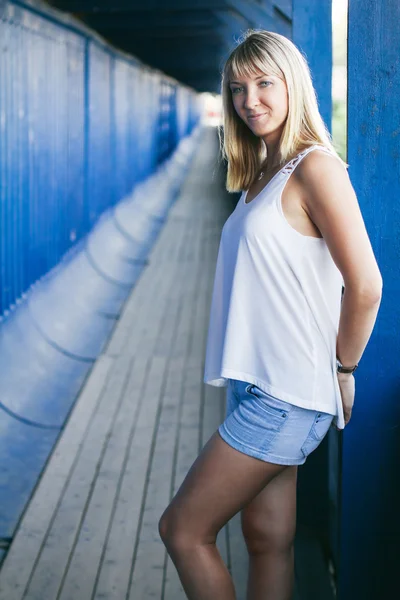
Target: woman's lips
(256,117)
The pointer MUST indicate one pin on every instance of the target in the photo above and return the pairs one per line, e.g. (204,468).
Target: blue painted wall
(370,522)
(80,125)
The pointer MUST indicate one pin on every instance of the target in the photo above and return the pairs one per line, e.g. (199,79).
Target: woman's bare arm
(330,201)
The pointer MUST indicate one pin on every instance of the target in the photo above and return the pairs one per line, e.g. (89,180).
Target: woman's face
(261,101)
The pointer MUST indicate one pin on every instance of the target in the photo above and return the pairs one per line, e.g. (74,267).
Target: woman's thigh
(269,520)
(220,482)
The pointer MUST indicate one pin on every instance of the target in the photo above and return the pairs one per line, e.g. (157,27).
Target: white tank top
(275,305)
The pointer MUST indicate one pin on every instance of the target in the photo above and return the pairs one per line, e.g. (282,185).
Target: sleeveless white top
(275,305)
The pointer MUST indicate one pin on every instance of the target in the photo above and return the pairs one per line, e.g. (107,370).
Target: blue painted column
(312,33)
(316,498)
(370,521)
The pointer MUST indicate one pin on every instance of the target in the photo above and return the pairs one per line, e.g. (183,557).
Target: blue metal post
(370,523)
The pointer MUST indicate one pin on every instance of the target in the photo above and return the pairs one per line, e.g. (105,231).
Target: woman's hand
(347,386)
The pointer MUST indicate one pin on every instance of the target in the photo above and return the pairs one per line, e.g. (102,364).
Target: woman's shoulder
(321,162)
(302,151)
(320,177)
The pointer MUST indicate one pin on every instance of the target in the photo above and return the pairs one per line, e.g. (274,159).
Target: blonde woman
(281,336)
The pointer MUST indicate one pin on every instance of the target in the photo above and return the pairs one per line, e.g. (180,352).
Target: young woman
(278,322)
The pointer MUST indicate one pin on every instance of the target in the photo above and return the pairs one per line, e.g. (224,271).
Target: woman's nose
(251,100)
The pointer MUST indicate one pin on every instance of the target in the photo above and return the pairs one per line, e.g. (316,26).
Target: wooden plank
(87,537)
(151,285)
(67,521)
(149,564)
(189,426)
(239,557)
(80,579)
(117,558)
(115,567)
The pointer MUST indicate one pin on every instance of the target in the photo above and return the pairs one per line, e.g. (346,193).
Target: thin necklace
(264,172)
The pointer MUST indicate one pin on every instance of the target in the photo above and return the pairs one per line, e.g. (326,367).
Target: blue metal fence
(80,125)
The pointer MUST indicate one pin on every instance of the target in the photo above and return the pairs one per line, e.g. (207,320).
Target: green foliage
(339,127)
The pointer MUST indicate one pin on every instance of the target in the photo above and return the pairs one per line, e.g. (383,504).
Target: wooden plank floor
(90,530)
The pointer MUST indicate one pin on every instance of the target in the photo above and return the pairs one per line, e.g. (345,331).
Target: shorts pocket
(321,425)
(267,402)
(319,429)
(257,421)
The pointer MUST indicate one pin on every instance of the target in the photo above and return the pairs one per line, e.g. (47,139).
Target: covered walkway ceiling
(187,39)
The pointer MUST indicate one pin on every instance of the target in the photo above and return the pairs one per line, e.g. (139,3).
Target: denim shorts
(270,429)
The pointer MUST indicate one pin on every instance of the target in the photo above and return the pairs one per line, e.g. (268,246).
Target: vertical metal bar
(112,133)
(86,136)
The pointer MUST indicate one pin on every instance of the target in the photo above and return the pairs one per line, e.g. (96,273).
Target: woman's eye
(261,83)
(236,90)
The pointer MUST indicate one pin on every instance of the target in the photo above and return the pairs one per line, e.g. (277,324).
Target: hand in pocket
(347,385)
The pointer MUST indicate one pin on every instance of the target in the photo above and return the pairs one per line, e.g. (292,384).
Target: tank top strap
(292,164)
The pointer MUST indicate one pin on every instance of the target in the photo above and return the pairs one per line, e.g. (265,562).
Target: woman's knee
(174,532)
(263,535)
(163,527)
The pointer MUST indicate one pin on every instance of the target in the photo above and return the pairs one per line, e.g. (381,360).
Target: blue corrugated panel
(80,125)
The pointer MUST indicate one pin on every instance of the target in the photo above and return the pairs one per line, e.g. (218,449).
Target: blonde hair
(273,54)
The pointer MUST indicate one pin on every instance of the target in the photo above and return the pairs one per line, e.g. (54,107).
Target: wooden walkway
(90,530)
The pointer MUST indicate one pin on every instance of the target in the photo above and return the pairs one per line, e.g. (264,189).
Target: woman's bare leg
(220,482)
(269,527)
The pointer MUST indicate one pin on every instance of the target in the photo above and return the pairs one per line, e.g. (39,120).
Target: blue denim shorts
(270,429)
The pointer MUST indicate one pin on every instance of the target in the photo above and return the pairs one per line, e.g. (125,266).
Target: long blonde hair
(273,54)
